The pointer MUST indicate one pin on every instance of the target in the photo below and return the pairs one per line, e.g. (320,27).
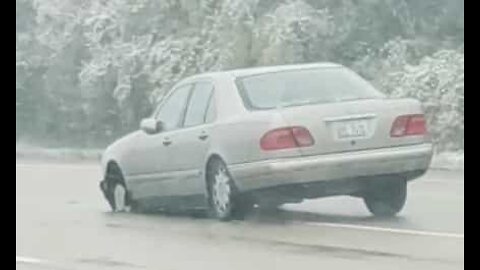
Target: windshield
(302,87)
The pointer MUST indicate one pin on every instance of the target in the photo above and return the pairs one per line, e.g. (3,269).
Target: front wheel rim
(119,195)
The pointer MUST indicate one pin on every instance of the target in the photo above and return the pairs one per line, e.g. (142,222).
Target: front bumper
(350,165)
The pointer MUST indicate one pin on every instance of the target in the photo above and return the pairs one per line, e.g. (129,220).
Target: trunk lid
(352,125)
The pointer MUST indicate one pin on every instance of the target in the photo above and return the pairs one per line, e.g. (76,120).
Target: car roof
(262,70)
(235,105)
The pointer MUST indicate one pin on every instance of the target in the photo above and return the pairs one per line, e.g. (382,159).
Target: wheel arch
(210,159)
(113,171)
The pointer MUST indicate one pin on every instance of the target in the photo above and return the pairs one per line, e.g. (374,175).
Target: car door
(190,144)
(153,151)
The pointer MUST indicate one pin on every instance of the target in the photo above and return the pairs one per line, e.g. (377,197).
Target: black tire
(225,202)
(386,198)
(114,181)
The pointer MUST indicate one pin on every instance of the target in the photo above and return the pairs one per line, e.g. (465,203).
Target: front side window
(171,111)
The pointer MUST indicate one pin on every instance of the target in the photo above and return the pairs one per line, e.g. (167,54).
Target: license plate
(347,130)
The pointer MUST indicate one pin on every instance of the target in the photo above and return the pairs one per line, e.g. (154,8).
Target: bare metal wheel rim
(221,191)
(119,195)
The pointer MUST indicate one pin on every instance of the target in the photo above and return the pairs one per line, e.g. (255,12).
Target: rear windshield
(303,87)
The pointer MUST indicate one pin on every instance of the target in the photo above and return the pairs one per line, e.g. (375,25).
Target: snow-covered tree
(439,82)
(286,35)
(88,70)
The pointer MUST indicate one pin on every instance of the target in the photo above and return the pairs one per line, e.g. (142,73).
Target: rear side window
(302,87)
(199,102)
(211,111)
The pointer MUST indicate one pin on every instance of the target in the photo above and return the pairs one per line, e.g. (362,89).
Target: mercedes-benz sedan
(231,140)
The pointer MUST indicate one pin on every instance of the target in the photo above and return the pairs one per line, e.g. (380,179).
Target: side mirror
(151,126)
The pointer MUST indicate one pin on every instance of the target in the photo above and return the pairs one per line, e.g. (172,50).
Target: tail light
(409,125)
(285,138)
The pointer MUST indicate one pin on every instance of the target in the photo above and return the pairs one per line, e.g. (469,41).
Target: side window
(171,111)
(202,93)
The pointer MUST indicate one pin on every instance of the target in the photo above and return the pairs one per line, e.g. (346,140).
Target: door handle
(167,141)
(203,136)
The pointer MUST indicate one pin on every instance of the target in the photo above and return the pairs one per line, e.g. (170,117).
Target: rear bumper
(405,160)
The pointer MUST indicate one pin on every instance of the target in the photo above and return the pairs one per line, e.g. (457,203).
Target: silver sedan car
(229,141)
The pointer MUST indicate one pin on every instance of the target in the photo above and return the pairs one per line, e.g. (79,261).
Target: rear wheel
(224,199)
(386,198)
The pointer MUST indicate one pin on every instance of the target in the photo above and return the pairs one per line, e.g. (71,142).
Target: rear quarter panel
(237,141)
(236,133)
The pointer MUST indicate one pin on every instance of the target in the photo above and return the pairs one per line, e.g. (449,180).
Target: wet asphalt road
(62,222)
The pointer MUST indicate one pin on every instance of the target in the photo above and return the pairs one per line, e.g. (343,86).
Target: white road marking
(28,260)
(459,182)
(387,230)
(56,166)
